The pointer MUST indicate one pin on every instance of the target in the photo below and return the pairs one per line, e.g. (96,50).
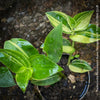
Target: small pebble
(72,78)
(10,19)
(74,87)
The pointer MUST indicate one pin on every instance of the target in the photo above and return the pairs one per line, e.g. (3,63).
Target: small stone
(16,26)
(37,44)
(42,24)
(74,87)
(4,28)
(10,19)
(28,35)
(3,20)
(44,30)
(38,27)
(37,15)
(21,25)
(24,97)
(31,24)
(72,78)
(45,18)
(25,18)
(21,13)
(70,96)
(34,20)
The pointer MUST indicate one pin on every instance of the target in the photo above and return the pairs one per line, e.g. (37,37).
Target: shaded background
(26,19)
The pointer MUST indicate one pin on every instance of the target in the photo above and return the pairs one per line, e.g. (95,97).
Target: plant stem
(40,95)
(69,59)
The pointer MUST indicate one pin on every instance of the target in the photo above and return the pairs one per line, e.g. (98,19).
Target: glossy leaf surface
(6,78)
(22,78)
(43,67)
(82,20)
(14,60)
(53,44)
(56,17)
(21,45)
(79,66)
(85,37)
(93,29)
(67,48)
(48,81)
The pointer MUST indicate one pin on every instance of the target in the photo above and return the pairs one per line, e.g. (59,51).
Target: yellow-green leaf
(85,37)
(23,78)
(82,20)
(79,66)
(56,17)
(21,45)
(67,48)
(14,60)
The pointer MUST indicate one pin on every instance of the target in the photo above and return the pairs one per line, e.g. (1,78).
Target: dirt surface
(27,20)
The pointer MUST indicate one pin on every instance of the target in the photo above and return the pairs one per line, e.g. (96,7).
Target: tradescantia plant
(78,30)
(22,58)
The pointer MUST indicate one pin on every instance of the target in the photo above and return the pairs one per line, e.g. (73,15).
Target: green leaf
(21,45)
(48,81)
(53,44)
(93,29)
(67,48)
(43,67)
(85,37)
(71,22)
(56,17)
(66,42)
(82,20)
(6,78)
(79,66)
(77,56)
(14,60)
(23,78)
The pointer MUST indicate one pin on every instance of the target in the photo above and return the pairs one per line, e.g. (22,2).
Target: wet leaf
(93,29)
(23,78)
(43,67)
(48,81)
(79,66)
(53,44)
(56,17)
(21,45)
(6,78)
(66,42)
(14,60)
(82,20)
(67,48)
(85,37)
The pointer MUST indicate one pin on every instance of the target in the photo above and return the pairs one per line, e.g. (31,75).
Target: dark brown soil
(27,20)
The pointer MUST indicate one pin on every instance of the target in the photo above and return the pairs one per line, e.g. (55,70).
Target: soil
(27,20)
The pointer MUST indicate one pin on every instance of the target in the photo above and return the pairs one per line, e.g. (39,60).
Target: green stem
(69,59)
